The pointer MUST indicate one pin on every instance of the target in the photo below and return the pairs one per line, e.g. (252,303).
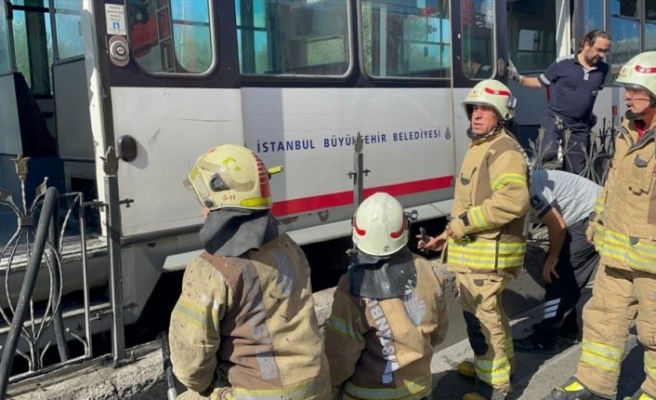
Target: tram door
(479,52)
(537,34)
(169,92)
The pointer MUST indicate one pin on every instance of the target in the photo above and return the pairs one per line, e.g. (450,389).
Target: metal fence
(34,250)
(597,156)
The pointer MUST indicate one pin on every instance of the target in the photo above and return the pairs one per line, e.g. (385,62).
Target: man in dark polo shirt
(575,81)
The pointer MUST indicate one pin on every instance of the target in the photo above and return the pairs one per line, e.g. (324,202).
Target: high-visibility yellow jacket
(489,208)
(625,220)
(381,349)
(245,328)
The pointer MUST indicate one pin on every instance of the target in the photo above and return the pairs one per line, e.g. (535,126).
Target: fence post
(113,204)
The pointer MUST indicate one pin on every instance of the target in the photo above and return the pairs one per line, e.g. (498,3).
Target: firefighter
(486,241)
(244,326)
(389,311)
(624,232)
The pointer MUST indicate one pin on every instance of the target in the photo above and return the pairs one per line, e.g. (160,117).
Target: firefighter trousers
(488,327)
(616,297)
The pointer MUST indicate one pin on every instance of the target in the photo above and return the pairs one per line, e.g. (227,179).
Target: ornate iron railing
(33,249)
(597,156)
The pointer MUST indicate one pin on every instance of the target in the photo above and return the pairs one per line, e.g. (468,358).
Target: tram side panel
(408,146)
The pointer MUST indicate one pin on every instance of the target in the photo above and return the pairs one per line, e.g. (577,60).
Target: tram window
(626,33)
(406,39)
(171,36)
(593,15)
(69,35)
(302,37)
(33,39)
(650,36)
(477,20)
(650,25)
(650,10)
(33,48)
(624,8)
(532,34)
(5,57)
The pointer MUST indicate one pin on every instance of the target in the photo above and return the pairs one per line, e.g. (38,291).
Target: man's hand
(549,268)
(434,243)
(513,74)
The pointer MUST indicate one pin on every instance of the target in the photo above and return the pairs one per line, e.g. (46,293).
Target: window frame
(214,47)
(401,79)
(302,78)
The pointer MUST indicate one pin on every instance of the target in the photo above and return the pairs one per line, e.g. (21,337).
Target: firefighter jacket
(382,348)
(489,208)
(245,327)
(625,213)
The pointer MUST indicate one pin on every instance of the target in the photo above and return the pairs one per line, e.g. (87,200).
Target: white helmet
(491,93)
(230,176)
(380,227)
(640,72)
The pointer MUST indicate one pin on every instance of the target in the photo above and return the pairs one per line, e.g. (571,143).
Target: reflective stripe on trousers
(419,387)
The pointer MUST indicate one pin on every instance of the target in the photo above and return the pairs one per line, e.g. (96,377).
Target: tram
(160,81)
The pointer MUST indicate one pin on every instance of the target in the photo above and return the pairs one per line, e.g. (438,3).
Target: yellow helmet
(640,72)
(491,93)
(230,176)
(380,226)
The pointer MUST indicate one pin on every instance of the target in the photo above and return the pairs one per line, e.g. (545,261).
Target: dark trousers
(576,263)
(574,158)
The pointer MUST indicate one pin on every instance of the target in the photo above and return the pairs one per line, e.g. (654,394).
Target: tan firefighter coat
(381,349)
(489,208)
(625,220)
(245,327)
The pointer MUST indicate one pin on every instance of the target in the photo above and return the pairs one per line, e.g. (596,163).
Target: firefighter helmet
(230,176)
(640,72)
(491,93)
(380,226)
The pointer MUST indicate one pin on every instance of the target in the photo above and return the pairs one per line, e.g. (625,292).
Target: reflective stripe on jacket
(490,204)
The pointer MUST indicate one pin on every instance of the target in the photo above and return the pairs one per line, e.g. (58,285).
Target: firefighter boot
(573,390)
(640,395)
(467,369)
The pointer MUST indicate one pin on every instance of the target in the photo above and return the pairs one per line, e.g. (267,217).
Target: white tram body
(162,81)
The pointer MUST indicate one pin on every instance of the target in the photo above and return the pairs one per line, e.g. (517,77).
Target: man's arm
(557,233)
(441,312)
(194,332)
(530,82)
(344,340)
